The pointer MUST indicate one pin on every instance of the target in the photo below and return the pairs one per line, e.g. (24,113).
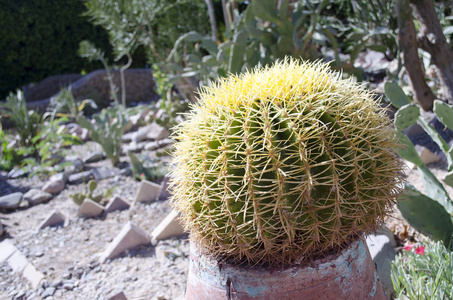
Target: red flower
(420,250)
(409,247)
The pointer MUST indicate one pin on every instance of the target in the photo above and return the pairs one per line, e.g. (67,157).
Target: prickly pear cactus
(284,163)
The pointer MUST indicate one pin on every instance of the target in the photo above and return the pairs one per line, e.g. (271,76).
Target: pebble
(49,291)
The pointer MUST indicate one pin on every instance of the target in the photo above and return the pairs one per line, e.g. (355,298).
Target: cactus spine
(283,163)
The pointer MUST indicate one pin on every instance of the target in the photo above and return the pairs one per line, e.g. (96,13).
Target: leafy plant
(144,168)
(284,163)
(430,213)
(26,123)
(64,105)
(107,130)
(9,157)
(91,186)
(423,273)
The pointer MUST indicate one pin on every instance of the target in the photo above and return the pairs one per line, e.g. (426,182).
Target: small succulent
(284,163)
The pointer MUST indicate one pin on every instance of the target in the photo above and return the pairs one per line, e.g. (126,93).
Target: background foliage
(39,38)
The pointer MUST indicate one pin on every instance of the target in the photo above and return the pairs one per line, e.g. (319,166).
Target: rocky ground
(68,256)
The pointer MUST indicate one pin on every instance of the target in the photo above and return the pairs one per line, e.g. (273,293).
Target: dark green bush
(40,38)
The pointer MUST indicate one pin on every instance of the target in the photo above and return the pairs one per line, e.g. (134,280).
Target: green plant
(107,130)
(64,105)
(26,123)
(430,213)
(426,273)
(144,168)
(9,157)
(284,163)
(91,186)
(39,39)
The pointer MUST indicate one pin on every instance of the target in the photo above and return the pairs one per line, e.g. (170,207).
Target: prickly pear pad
(284,163)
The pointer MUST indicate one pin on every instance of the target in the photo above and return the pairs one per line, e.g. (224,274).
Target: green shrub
(40,38)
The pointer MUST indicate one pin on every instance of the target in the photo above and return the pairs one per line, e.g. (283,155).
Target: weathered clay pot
(348,275)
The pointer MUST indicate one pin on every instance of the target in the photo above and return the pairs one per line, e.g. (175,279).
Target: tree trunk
(408,43)
(432,40)
(212,20)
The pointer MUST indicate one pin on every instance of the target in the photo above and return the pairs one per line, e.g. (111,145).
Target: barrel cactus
(283,164)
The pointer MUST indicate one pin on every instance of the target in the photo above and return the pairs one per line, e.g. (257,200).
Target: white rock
(169,227)
(35,196)
(426,155)
(130,237)
(90,209)
(157,132)
(53,219)
(6,250)
(148,192)
(53,187)
(116,203)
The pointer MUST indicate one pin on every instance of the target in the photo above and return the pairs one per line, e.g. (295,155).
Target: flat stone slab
(35,196)
(17,261)
(116,203)
(148,191)
(34,276)
(90,209)
(6,250)
(169,227)
(382,253)
(11,201)
(129,237)
(55,218)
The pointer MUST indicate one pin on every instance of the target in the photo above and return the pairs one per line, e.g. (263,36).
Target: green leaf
(406,116)
(395,94)
(444,112)
(434,188)
(265,10)
(407,150)
(425,214)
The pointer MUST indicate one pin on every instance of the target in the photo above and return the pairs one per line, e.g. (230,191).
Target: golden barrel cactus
(283,164)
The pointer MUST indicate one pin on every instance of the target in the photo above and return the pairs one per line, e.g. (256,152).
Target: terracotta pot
(348,275)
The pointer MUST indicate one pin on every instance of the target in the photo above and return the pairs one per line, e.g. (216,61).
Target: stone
(35,196)
(53,187)
(59,176)
(148,192)
(17,261)
(126,172)
(55,218)
(140,86)
(6,250)
(165,142)
(382,253)
(17,173)
(140,134)
(116,203)
(151,146)
(94,157)
(49,291)
(130,237)
(119,296)
(127,137)
(76,167)
(1,228)
(49,86)
(11,201)
(104,172)
(426,155)
(169,227)
(90,209)
(157,132)
(34,276)
(80,177)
